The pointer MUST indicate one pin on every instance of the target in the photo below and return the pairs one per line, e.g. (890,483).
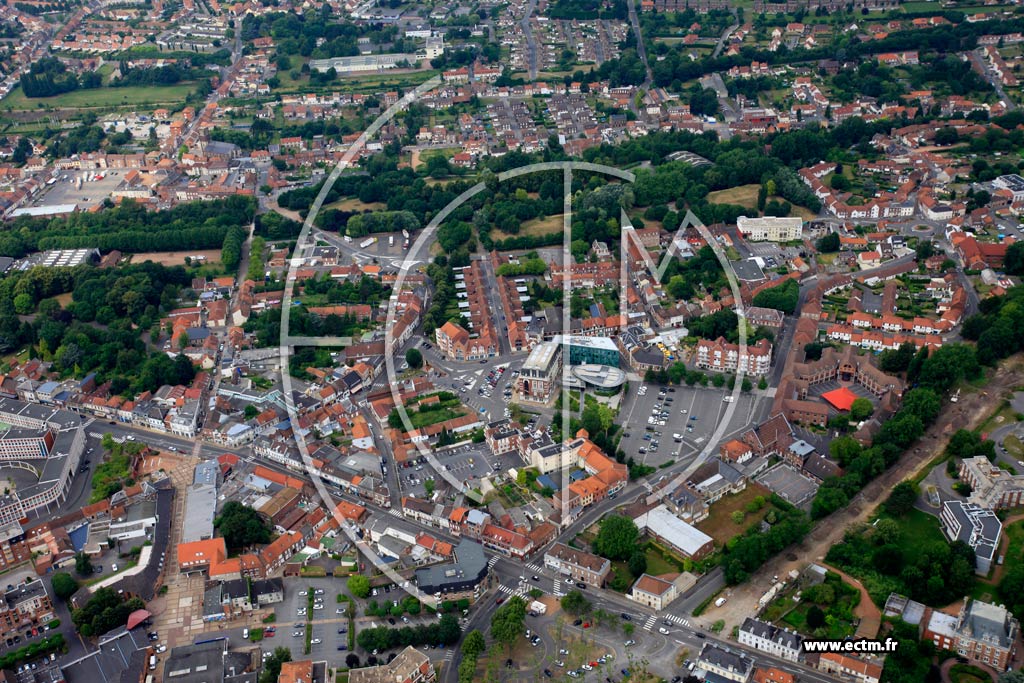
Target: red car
(499,601)
(586,624)
(268,634)
(594,664)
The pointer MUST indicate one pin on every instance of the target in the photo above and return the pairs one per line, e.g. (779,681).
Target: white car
(587,667)
(662,630)
(315,641)
(318,606)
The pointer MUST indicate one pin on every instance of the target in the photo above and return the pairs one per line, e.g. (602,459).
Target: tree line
(129,227)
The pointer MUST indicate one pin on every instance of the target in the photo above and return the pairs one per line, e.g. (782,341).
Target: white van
(728,399)
(245,634)
(152,662)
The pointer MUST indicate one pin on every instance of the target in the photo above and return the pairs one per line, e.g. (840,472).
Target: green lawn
(965,673)
(101,97)
(919,530)
(1015,533)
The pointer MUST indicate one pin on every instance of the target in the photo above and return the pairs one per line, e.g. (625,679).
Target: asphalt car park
(666,423)
(324,623)
(473,461)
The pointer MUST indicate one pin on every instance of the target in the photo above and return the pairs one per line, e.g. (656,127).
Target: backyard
(751,506)
(429,410)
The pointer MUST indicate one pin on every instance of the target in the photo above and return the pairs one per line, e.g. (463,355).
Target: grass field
(538,226)
(353,204)
(64,299)
(744,195)
(101,97)
(918,531)
(719,524)
(1015,546)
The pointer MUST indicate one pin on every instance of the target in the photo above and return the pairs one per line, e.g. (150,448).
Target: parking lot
(470,462)
(324,624)
(92,192)
(693,413)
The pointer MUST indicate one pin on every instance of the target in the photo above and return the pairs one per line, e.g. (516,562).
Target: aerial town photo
(500,341)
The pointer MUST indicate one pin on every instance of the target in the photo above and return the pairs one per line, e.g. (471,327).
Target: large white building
(770,228)
(771,639)
(976,526)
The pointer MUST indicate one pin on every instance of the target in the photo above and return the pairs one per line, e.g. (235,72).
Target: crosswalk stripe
(512,591)
(650,622)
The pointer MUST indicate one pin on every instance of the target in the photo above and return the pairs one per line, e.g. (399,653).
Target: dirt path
(1004,545)
(969,413)
(287,213)
(866,611)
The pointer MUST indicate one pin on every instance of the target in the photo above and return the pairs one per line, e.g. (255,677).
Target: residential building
(725,664)
(25,606)
(770,638)
(721,356)
(770,228)
(410,666)
(653,591)
(850,668)
(454,342)
(578,565)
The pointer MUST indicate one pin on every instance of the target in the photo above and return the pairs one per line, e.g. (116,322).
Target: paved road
(641,51)
(531,41)
(978,60)
(721,41)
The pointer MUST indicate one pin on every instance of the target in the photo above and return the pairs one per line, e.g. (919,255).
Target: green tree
(617,538)
(815,617)
(241,526)
(64,585)
(414,358)
(429,485)
(782,297)
(83,565)
(861,409)
(272,667)
(250,411)
(574,603)
(358,586)
(474,644)
(902,498)
(637,563)
(508,623)
(828,243)
(887,531)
